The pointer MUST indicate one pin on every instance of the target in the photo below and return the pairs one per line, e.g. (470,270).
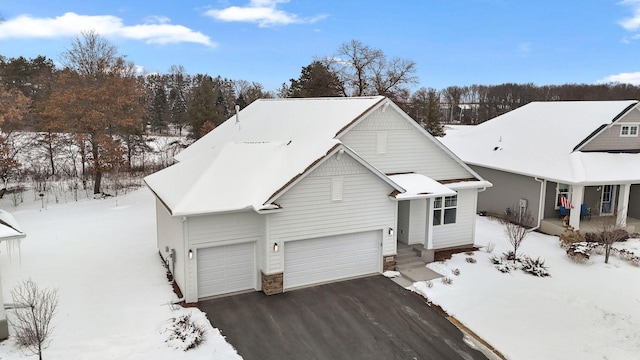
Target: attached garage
(226,269)
(331,258)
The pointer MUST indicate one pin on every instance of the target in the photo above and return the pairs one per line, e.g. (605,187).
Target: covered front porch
(554,226)
(585,208)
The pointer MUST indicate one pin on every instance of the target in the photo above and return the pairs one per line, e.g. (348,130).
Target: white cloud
(631,23)
(262,12)
(624,78)
(157,29)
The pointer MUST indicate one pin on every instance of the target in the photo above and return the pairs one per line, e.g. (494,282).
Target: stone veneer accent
(272,284)
(389,263)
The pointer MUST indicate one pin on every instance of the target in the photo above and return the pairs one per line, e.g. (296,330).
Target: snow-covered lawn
(583,311)
(114,297)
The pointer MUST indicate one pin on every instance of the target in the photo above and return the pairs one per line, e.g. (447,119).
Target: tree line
(97,109)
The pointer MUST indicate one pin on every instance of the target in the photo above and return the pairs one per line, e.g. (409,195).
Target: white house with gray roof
(585,151)
(296,192)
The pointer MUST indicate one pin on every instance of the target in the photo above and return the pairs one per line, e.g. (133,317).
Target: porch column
(577,192)
(429,230)
(623,204)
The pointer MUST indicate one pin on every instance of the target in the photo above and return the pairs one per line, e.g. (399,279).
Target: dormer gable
(621,135)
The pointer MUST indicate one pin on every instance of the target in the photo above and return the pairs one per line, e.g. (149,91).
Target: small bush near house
(447,280)
(535,267)
(429,283)
(489,248)
(471,260)
(621,235)
(184,333)
(456,272)
(469,253)
(570,236)
(509,262)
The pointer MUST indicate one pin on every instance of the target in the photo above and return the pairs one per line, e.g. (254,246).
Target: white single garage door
(225,269)
(331,258)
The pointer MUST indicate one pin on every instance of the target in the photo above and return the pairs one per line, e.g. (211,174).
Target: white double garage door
(231,268)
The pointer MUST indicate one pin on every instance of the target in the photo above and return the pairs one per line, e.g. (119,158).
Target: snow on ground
(114,297)
(583,311)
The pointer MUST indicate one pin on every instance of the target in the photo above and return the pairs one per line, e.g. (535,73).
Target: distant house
(9,231)
(295,192)
(546,153)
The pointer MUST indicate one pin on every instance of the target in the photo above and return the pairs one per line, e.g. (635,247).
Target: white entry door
(331,258)
(226,269)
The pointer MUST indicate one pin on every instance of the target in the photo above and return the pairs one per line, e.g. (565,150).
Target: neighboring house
(10,231)
(294,192)
(585,151)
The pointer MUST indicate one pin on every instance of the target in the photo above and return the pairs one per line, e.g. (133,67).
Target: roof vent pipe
(237,114)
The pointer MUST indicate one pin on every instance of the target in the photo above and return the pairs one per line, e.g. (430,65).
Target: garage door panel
(331,258)
(225,269)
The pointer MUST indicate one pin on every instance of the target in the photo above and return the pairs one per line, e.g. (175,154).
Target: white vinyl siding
(170,235)
(308,212)
(459,233)
(331,258)
(225,269)
(408,149)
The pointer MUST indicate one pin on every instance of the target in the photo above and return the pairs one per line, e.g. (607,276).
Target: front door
(607,200)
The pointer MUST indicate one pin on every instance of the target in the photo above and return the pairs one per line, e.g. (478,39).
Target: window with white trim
(629,130)
(562,190)
(445,209)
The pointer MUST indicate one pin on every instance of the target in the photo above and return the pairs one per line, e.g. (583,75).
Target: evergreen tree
(316,80)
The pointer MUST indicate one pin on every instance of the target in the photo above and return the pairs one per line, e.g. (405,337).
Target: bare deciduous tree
(517,225)
(610,232)
(34,309)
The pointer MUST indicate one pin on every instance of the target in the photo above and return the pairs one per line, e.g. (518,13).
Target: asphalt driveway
(366,318)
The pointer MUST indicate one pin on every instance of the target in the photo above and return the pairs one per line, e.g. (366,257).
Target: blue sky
(269,41)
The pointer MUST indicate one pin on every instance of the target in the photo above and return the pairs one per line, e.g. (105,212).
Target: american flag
(565,203)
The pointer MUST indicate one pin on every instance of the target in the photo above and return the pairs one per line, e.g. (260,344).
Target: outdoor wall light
(275,247)
(390,231)
(190,254)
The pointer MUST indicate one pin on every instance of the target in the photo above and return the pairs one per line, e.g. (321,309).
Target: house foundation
(388,263)
(272,284)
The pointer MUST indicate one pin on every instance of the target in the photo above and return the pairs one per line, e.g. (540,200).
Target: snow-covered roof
(9,227)
(303,119)
(419,186)
(539,139)
(247,160)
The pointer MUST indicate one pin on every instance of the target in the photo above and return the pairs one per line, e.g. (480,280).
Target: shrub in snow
(469,253)
(620,235)
(509,262)
(471,260)
(535,267)
(500,263)
(591,237)
(581,252)
(570,235)
(489,248)
(456,272)
(447,280)
(184,333)
(429,283)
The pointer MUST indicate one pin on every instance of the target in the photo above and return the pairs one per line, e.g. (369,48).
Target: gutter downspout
(543,187)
